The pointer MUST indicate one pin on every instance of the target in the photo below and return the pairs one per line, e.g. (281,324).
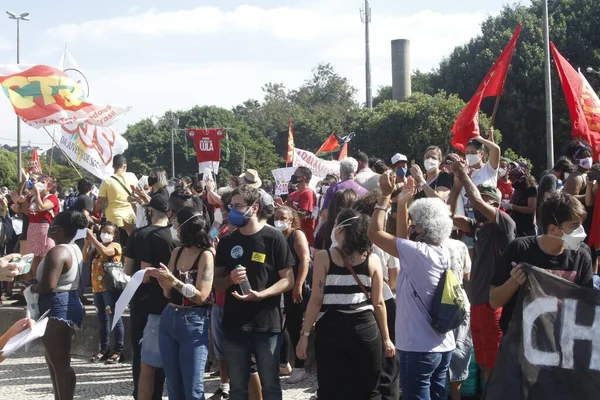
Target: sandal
(98,357)
(115,358)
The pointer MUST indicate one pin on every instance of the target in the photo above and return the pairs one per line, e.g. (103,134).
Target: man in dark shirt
(492,230)
(148,247)
(252,322)
(560,250)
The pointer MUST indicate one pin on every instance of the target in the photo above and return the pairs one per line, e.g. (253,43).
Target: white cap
(398,157)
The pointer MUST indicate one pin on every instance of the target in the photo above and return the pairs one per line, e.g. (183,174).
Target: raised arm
(376,232)
(473,193)
(493,148)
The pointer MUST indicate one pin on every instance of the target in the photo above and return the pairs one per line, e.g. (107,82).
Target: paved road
(26,378)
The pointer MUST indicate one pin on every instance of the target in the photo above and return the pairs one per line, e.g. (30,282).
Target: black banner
(552,347)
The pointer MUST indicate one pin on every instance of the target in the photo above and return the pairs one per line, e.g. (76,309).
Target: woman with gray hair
(348,167)
(424,353)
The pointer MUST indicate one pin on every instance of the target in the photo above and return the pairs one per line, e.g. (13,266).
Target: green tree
(383,93)
(8,169)
(521,114)
(409,127)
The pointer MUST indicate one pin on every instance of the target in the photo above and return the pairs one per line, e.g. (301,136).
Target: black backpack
(70,201)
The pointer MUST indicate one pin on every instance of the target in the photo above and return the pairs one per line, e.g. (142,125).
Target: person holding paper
(58,276)
(8,269)
(14,330)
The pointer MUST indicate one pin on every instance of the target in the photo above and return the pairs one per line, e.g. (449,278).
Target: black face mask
(479,217)
(152,180)
(294,180)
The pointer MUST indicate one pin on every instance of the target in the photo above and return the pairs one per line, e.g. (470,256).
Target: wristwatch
(304,333)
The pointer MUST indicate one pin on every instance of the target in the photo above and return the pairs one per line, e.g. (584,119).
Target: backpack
(70,201)
(448,308)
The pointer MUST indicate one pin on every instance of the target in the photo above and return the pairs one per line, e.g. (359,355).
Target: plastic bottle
(244,285)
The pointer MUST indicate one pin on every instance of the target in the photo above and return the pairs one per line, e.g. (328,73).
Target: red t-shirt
(207,143)
(304,201)
(39,217)
(506,189)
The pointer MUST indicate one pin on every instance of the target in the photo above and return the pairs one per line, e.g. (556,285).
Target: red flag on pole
(35,166)
(330,145)
(290,146)
(466,126)
(583,103)
(343,152)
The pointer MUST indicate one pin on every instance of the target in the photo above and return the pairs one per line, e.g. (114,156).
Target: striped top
(342,292)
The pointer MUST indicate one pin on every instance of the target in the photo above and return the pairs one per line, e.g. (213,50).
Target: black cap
(159,203)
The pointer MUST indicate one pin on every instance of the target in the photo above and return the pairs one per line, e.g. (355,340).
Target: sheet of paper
(27,336)
(127,295)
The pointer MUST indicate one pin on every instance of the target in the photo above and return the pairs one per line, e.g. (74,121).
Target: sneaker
(285,369)
(115,358)
(297,376)
(219,394)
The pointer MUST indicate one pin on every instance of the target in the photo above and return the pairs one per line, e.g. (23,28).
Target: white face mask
(572,240)
(40,186)
(501,172)
(282,226)
(473,159)
(431,164)
(586,162)
(567,175)
(334,242)
(106,237)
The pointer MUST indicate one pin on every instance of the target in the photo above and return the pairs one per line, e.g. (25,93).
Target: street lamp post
(18,18)
(548,87)
(591,70)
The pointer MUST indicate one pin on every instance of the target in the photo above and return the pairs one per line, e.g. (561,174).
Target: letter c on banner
(531,313)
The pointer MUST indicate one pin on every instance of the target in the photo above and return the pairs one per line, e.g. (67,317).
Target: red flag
(290,146)
(330,145)
(343,152)
(467,124)
(582,100)
(35,166)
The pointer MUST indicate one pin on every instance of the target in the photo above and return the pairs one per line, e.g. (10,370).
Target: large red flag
(290,146)
(467,124)
(582,100)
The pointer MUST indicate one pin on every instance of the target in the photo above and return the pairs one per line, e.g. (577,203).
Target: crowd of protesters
(354,262)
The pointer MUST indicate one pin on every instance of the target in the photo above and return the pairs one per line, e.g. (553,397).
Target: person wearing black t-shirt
(148,247)
(523,205)
(252,322)
(434,183)
(560,250)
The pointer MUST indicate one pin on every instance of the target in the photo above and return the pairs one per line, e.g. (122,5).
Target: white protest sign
(283,175)
(317,165)
(127,295)
(92,147)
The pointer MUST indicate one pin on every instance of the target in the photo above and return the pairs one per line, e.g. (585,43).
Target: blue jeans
(265,346)
(423,375)
(105,304)
(183,343)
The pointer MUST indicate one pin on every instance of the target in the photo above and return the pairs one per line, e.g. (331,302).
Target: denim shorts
(63,306)
(150,350)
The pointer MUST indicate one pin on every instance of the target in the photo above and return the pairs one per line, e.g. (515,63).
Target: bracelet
(382,208)
(188,290)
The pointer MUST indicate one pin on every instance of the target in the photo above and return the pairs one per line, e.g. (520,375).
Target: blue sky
(160,55)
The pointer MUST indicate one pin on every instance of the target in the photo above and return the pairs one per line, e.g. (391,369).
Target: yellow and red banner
(43,95)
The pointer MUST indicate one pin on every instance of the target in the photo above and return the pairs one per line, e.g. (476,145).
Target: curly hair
(578,149)
(433,216)
(193,228)
(71,221)
(293,215)
(355,232)
(342,199)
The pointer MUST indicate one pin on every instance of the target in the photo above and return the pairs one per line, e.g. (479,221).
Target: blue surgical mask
(237,218)
(401,172)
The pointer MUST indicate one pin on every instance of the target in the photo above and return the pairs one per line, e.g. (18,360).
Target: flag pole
(548,90)
(51,159)
(65,154)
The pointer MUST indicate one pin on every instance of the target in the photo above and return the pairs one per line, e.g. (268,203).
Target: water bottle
(244,285)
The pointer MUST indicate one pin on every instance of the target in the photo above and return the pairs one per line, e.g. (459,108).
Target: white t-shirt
(485,175)
(387,262)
